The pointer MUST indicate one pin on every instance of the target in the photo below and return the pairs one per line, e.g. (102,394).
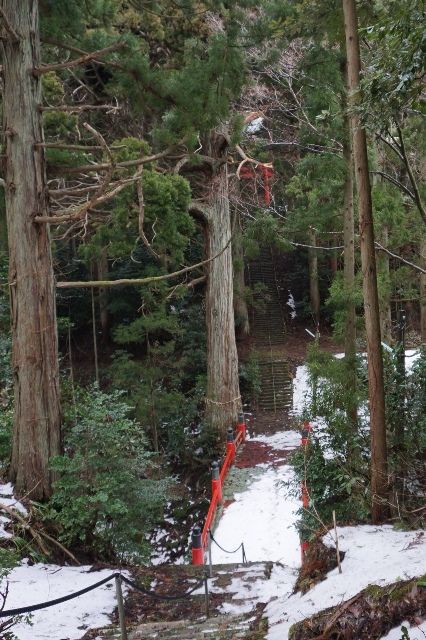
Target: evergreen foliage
(108,493)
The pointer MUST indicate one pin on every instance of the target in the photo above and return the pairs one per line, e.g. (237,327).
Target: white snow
(255,125)
(263,518)
(69,620)
(374,555)
(280,440)
(41,582)
(301,390)
(417,632)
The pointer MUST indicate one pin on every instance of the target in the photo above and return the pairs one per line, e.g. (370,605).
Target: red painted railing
(200,542)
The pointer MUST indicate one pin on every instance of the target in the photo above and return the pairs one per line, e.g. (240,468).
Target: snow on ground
(263,518)
(374,555)
(301,390)
(69,620)
(281,440)
(416,632)
(41,582)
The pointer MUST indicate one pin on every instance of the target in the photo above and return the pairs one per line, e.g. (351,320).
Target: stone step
(221,627)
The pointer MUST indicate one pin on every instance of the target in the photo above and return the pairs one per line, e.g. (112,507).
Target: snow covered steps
(235,601)
(222,627)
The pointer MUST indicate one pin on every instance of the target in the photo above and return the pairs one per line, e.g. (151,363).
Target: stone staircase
(235,609)
(221,627)
(276,384)
(268,332)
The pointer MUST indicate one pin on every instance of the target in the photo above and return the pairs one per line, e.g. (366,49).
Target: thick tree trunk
(223,400)
(313,278)
(423,289)
(242,325)
(36,435)
(379,474)
(349,280)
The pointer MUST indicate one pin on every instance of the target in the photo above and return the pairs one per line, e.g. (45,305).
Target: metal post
(206,595)
(120,605)
(209,548)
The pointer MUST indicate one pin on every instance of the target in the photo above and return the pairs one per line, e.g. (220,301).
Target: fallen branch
(37,535)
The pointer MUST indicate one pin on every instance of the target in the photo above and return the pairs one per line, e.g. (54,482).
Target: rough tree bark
(223,401)
(385,306)
(37,416)
(423,289)
(349,278)
(379,473)
(313,278)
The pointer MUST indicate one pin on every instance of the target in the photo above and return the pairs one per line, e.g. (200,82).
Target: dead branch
(37,535)
(396,182)
(76,147)
(69,108)
(380,247)
(84,59)
(138,281)
(120,165)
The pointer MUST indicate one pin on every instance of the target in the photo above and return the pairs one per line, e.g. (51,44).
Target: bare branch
(76,147)
(127,163)
(137,281)
(69,108)
(84,59)
(380,247)
(396,182)
(417,196)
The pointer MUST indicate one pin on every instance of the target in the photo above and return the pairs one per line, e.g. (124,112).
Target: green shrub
(106,496)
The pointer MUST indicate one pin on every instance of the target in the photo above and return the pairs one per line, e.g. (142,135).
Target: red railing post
(216,483)
(241,426)
(305,496)
(230,444)
(304,546)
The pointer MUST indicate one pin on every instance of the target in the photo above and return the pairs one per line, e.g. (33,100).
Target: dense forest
(194,193)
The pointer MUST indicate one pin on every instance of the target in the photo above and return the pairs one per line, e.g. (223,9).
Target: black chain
(76,594)
(51,603)
(224,550)
(158,596)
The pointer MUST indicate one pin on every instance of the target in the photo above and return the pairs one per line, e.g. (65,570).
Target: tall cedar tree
(379,479)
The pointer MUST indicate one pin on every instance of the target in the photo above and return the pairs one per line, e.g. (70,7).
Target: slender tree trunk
(36,432)
(102,268)
(385,307)
(379,473)
(313,278)
(242,325)
(223,400)
(349,279)
(423,289)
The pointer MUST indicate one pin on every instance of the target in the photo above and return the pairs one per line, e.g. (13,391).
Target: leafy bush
(106,495)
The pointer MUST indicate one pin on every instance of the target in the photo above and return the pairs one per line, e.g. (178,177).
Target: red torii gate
(265,170)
